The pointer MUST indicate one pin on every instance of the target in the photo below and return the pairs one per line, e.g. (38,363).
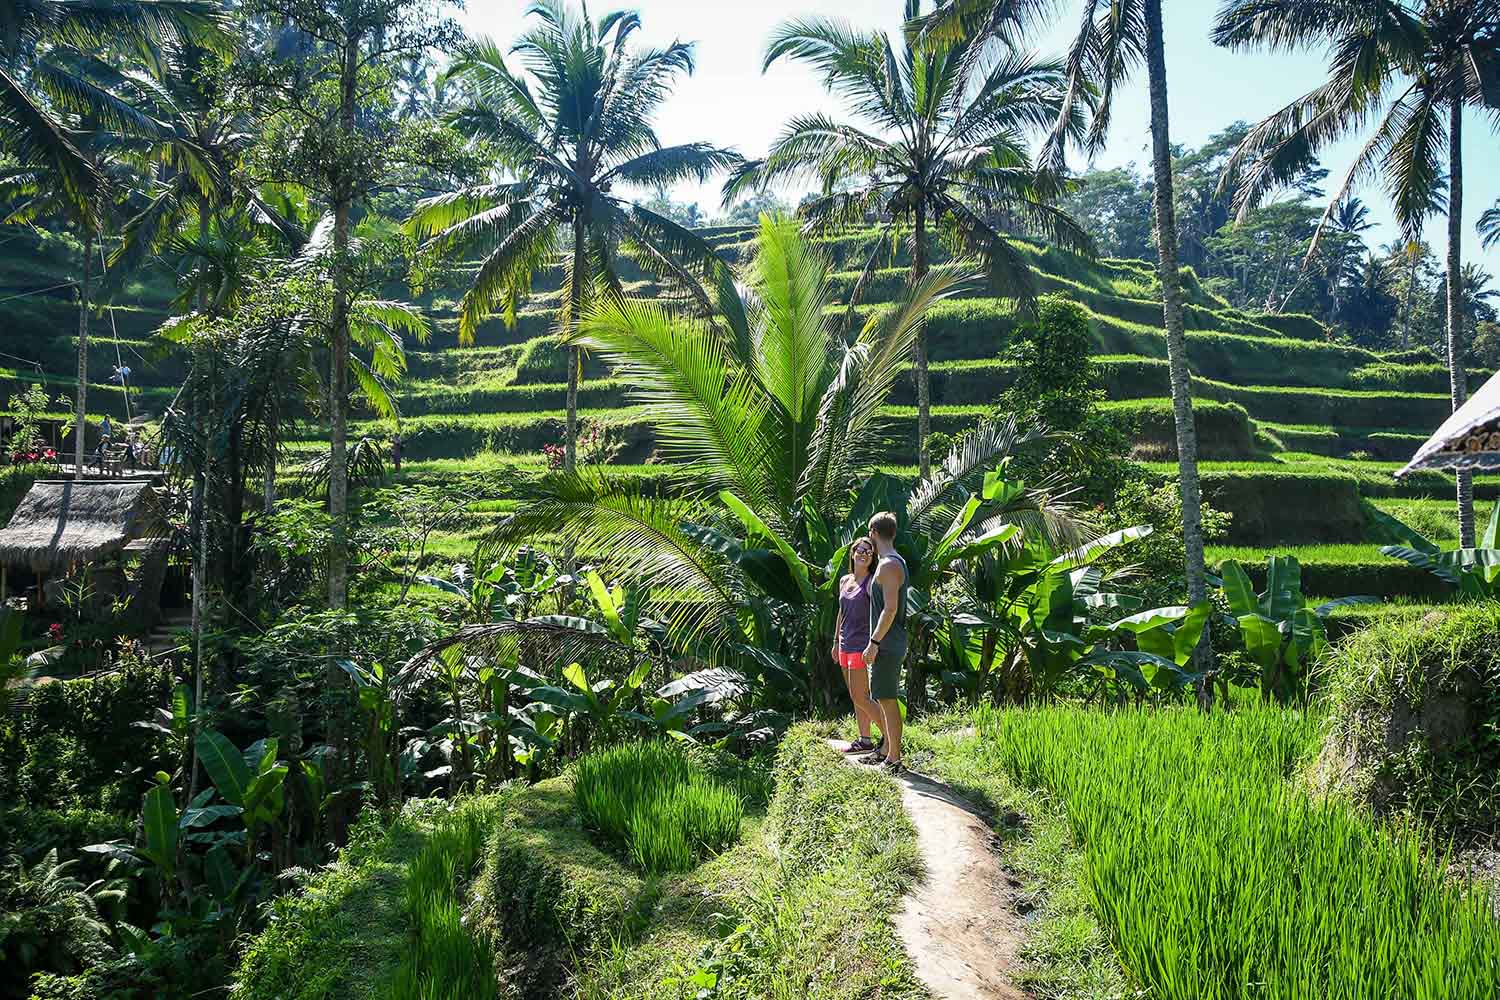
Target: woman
(853,636)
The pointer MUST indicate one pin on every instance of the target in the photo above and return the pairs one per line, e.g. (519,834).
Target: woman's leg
(865,710)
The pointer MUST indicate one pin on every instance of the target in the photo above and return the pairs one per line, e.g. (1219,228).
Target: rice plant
(1216,878)
(658,806)
(446,961)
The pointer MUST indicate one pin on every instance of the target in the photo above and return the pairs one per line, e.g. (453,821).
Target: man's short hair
(883,525)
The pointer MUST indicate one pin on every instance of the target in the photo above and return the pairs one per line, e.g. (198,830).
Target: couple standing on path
(872,640)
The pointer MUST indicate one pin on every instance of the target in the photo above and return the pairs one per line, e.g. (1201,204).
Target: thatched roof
(61,524)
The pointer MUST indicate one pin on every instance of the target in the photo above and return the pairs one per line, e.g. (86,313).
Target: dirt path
(958,926)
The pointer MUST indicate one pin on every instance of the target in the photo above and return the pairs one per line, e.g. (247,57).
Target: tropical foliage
(941,142)
(566,132)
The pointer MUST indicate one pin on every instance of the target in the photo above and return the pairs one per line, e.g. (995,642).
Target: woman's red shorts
(852,661)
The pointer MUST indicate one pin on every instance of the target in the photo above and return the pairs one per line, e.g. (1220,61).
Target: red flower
(55,632)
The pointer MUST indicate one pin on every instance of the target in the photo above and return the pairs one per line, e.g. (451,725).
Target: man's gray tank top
(894,642)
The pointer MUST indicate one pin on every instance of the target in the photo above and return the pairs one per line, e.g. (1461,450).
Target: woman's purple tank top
(854,602)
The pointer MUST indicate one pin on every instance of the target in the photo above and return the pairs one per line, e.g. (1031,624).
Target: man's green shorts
(885,672)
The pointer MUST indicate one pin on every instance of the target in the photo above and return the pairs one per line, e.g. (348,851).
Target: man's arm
(890,589)
(889,579)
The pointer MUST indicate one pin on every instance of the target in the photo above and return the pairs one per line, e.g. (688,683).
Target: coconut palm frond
(958,475)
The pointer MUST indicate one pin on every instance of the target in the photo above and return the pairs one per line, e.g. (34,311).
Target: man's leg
(890,711)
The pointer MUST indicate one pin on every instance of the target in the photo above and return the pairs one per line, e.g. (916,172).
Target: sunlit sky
(729,101)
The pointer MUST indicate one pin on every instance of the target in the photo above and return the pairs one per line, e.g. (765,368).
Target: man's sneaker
(893,767)
(861,745)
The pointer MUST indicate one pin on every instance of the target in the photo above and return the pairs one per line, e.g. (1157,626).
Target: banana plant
(379,694)
(1475,572)
(946,524)
(1281,630)
(591,708)
(252,781)
(1032,604)
(1164,640)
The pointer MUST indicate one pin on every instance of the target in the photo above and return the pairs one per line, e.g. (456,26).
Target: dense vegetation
(507,501)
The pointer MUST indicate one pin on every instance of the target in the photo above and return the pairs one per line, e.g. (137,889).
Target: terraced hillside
(1296,433)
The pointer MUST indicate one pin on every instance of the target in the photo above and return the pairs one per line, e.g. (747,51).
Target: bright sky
(729,102)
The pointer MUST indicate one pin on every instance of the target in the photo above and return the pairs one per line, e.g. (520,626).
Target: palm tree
(940,143)
(570,130)
(1114,37)
(49,76)
(1477,298)
(1413,66)
(1489,226)
(62,99)
(40,192)
(1351,217)
(778,418)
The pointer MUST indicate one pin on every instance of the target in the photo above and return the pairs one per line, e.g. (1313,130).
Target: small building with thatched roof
(61,527)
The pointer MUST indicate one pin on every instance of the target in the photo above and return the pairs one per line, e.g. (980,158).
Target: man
(887,648)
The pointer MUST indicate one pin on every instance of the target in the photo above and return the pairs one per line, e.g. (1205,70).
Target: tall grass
(653,802)
(446,961)
(1217,878)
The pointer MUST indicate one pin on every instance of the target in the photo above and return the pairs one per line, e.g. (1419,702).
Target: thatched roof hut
(62,524)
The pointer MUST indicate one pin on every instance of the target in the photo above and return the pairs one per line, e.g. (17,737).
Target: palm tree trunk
(197,530)
(575,308)
(80,432)
(1171,301)
(338,375)
(919,348)
(273,429)
(1411,280)
(1458,386)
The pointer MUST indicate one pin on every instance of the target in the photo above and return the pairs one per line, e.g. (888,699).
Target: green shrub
(65,747)
(651,801)
(32,832)
(1158,560)
(15,481)
(1415,730)
(1304,898)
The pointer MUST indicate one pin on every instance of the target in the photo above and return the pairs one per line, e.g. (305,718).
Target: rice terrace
(839,499)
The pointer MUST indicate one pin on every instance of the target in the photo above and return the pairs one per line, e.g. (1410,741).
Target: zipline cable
(120,368)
